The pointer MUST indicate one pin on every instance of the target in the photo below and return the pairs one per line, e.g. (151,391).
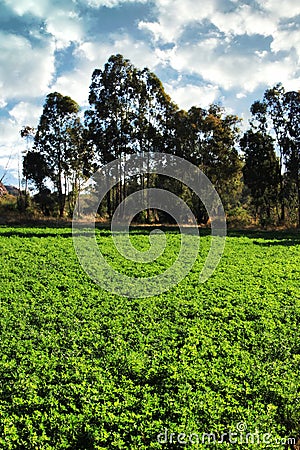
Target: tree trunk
(148,211)
(282,213)
(298,192)
(60,195)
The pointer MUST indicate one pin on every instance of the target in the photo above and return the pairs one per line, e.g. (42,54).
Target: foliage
(261,173)
(130,113)
(59,149)
(278,114)
(215,137)
(35,168)
(85,369)
(8,203)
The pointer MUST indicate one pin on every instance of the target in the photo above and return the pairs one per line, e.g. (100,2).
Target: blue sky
(206,51)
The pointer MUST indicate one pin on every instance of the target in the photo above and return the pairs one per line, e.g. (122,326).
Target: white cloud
(192,95)
(65,26)
(44,8)
(21,115)
(10,161)
(75,84)
(3,103)
(225,60)
(175,15)
(25,71)
(292,84)
(10,132)
(244,20)
(22,7)
(10,165)
(25,113)
(12,145)
(92,55)
(286,40)
(278,9)
(61,20)
(230,69)
(111,3)
(139,52)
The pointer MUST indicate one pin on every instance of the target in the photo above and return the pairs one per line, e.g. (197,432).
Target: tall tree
(278,114)
(291,104)
(27,132)
(108,118)
(129,113)
(261,172)
(268,117)
(214,149)
(55,143)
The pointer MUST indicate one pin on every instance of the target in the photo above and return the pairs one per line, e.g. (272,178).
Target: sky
(204,51)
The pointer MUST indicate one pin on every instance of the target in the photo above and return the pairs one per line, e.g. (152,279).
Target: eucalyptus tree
(35,168)
(129,113)
(109,118)
(55,148)
(80,161)
(27,132)
(268,117)
(291,104)
(261,172)
(215,137)
(278,114)
(153,125)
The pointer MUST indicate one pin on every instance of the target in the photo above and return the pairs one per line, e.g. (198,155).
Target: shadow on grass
(281,242)
(64,230)
(269,238)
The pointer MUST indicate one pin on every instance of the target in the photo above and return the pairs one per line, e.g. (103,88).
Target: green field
(85,369)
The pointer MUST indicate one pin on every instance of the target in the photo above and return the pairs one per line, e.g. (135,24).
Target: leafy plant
(84,369)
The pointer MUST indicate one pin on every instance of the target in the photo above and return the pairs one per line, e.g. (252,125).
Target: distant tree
(81,162)
(184,134)
(211,143)
(153,125)
(261,172)
(278,114)
(291,104)
(129,113)
(27,132)
(268,117)
(56,144)
(35,168)
(108,118)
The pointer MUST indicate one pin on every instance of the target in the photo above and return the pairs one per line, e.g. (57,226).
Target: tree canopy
(129,112)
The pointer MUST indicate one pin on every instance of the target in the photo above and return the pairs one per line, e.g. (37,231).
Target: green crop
(85,369)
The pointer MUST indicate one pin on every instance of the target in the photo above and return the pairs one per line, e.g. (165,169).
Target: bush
(239,217)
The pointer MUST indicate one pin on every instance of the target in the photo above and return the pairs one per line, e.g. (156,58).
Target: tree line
(256,173)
